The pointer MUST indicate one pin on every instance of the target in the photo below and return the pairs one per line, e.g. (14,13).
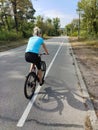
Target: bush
(11,36)
(75,34)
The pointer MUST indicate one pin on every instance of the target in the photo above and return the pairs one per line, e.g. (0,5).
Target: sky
(63,9)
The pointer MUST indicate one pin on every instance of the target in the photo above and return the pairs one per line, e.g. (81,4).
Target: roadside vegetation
(86,26)
(86,53)
(17,21)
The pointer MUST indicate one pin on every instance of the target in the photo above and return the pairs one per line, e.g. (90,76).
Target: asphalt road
(58,104)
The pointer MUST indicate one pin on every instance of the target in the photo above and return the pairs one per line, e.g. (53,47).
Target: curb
(90,108)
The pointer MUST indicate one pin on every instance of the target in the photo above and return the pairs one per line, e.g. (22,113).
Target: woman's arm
(45,49)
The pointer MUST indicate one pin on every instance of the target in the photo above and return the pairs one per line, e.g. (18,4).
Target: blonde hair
(36,31)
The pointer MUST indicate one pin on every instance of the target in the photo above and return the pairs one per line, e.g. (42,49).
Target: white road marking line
(29,106)
(53,59)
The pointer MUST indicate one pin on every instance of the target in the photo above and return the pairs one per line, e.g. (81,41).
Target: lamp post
(79,13)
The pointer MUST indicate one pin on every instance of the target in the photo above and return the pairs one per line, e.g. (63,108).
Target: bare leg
(31,67)
(40,75)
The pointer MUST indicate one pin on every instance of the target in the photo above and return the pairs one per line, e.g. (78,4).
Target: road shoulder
(86,58)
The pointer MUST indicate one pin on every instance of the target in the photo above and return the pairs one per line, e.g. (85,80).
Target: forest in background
(17,21)
(86,26)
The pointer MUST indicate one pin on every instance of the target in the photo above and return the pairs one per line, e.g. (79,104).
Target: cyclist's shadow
(58,92)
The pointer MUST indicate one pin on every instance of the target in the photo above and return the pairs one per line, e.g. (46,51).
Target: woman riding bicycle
(32,51)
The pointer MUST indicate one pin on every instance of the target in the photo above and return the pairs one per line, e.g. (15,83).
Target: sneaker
(42,83)
(37,79)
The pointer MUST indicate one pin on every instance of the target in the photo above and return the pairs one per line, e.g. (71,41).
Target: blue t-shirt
(34,44)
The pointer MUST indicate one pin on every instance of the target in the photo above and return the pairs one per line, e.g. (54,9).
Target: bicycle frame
(34,68)
(32,77)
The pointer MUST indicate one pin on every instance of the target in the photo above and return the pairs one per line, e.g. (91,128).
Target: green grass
(89,42)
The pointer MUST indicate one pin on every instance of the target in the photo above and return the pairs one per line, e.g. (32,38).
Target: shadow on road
(51,99)
(57,92)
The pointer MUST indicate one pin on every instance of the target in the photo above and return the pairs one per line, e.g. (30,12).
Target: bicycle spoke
(30,85)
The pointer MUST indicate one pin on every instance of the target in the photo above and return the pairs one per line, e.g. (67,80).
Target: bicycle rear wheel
(43,68)
(30,85)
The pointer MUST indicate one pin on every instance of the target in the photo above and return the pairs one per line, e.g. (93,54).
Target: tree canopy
(88,18)
(17,19)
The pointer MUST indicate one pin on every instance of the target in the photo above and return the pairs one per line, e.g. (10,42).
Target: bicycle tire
(43,68)
(30,85)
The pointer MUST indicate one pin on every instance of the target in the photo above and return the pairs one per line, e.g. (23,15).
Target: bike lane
(59,104)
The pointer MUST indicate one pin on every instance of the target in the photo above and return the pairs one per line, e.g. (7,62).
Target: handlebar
(40,54)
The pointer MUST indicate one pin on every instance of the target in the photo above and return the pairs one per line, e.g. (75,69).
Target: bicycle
(32,79)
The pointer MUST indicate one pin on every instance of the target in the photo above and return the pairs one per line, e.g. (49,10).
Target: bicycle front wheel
(30,85)
(43,68)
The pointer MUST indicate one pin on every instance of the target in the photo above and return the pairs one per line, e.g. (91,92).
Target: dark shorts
(33,58)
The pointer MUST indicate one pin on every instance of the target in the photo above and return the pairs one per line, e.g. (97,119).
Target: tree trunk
(15,13)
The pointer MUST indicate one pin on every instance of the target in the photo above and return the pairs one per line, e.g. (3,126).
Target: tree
(5,13)
(49,28)
(19,11)
(23,11)
(56,24)
(90,14)
(39,21)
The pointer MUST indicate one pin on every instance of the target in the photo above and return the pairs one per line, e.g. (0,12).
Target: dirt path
(87,58)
